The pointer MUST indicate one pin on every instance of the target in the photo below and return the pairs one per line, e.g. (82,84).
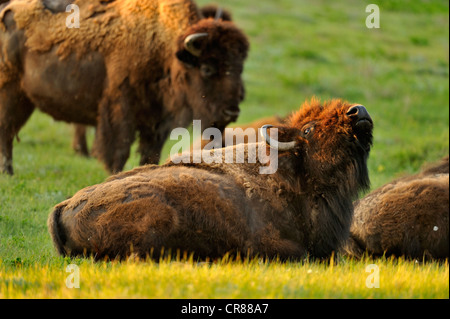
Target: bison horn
(189,43)
(280,146)
(219,13)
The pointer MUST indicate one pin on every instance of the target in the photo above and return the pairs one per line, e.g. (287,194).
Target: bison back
(172,209)
(408,218)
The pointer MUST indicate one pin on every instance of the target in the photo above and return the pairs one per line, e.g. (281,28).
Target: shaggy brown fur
(214,209)
(407,217)
(125,70)
(79,143)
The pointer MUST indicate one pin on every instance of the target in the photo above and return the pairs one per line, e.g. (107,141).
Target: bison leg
(114,133)
(15,109)
(150,146)
(79,143)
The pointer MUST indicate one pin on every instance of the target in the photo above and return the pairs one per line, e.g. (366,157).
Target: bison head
(212,53)
(327,146)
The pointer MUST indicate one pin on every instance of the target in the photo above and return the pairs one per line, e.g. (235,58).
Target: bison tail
(56,230)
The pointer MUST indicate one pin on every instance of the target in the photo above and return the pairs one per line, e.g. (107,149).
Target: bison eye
(207,70)
(307,130)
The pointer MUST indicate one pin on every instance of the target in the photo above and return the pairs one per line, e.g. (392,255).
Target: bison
(79,143)
(408,217)
(144,66)
(210,210)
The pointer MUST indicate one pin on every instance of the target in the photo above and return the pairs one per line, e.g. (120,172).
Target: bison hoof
(7,170)
(82,151)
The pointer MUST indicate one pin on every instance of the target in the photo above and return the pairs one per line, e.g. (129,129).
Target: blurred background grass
(299,49)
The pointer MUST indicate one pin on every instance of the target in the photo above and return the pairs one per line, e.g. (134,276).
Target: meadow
(299,49)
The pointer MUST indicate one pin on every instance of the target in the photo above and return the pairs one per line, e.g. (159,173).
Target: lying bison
(214,209)
(145,66)
(407,217)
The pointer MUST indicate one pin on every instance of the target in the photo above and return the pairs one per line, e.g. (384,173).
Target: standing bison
(210,210)
(144,66)
(407,217)
(79,143)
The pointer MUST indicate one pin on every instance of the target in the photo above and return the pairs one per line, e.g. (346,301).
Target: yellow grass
(243,279)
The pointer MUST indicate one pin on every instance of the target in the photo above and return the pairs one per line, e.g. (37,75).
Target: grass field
(225,279)
(400,72)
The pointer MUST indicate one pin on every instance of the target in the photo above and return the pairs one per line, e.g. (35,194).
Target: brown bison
(79,143)
(209,210)
(407,217)
(144,66)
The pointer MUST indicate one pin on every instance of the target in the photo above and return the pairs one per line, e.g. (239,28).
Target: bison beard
(214,209)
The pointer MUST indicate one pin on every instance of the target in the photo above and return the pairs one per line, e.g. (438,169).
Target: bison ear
(187,58)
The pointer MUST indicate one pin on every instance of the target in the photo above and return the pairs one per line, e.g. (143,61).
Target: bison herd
(146,67)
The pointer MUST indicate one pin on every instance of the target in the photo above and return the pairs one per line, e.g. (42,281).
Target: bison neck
(318,218)
(321,215)
(171,92)
(330,218)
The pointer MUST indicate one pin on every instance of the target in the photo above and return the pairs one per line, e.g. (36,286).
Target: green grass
(400,72)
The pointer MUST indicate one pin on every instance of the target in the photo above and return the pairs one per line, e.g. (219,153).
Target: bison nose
(358,113)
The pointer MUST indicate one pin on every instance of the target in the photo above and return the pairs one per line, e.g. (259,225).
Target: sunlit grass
(226,279)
